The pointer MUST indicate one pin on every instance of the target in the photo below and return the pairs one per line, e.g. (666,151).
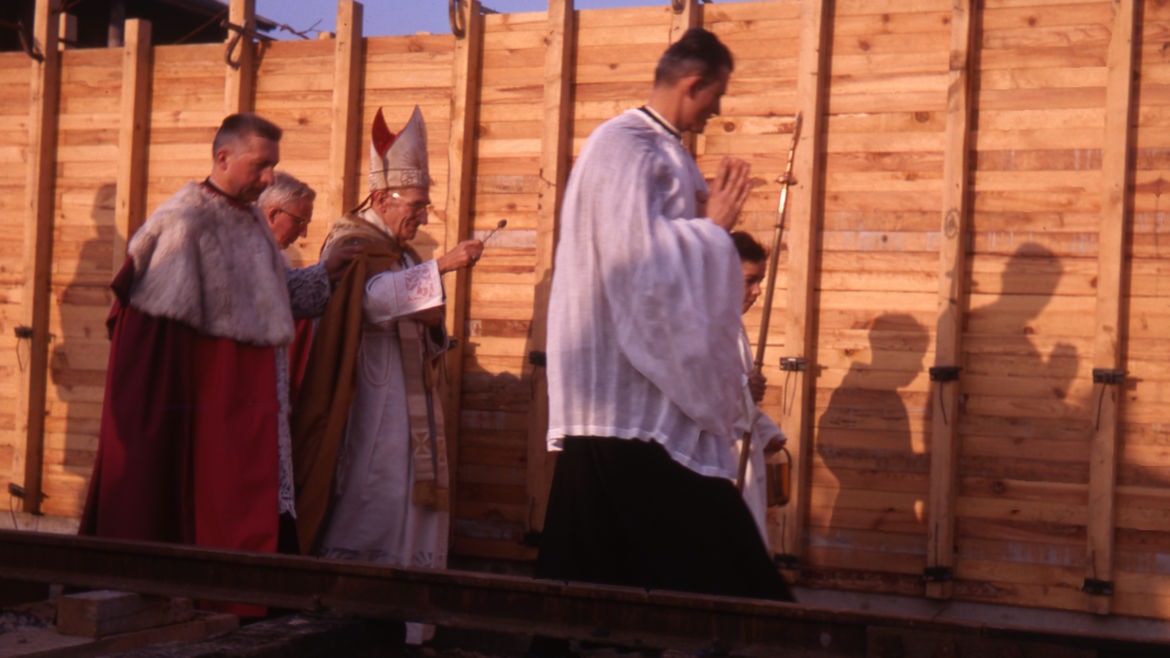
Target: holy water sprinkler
(500,225)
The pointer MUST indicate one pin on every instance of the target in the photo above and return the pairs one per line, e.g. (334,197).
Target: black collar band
(658,119)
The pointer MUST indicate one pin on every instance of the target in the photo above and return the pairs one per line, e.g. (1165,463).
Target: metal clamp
(793,363)
(938,574)
(1098,587)
(240,32)
(455,17)
(944,373)
(785,561)
(1108,376)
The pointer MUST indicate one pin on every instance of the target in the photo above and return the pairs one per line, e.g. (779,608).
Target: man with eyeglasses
(287,205)
(369,448)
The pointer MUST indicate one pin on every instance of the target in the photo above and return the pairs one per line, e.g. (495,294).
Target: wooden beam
(38,246)
(690,15)
(130,199)
(787,538)
(460,193)
(690,623)
(66,31)
(239,83)
(346,137)
(1109,337)
(944,428)
(555,154)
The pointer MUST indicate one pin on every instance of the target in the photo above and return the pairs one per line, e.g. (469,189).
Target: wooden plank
(786,537)
(345,139)
(461,152)
(940,554)
(239,76)
(105,612)
(38,247)
(66,31)
(130,197)
(555,152)
(688,15)
(1108,346)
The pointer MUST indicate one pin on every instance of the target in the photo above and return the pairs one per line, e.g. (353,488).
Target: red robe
(187,446)
(187,449)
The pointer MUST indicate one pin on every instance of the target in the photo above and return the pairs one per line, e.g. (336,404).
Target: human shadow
(865,437)
(1020,418)
(80,345)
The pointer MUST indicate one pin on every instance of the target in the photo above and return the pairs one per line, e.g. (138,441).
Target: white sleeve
(673,282)
(393,295)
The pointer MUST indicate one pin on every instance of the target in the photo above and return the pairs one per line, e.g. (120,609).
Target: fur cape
(212,264)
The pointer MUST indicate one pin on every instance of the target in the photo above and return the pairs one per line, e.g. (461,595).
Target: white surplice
(645,302)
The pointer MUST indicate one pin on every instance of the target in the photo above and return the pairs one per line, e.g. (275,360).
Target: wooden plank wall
(1142,533)
(1043,75)
(1025,421)
(877,300)
(15,92)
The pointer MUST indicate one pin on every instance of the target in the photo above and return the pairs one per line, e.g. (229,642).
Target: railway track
(504,604)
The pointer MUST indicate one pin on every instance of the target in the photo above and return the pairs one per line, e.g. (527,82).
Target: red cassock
(187,451)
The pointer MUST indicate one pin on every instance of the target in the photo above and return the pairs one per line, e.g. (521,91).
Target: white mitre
(399,161)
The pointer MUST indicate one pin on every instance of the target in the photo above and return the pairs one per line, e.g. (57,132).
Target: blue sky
(393,17)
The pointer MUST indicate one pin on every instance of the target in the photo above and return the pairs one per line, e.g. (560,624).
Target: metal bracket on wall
(1098,587)
(1108,376)
(938,574)
(793,363)
(944,373)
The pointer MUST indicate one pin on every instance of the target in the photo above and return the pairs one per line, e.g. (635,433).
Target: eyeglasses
(416,207)
(301,221)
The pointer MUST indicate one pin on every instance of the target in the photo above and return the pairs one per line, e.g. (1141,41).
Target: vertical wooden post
(130,198)
(38,247)
(460,190)
(66,31)
(1108,343)
(347,110)
(944,433)
(690,15)
(555,153)
(681,21)
(239,83)
(805,214)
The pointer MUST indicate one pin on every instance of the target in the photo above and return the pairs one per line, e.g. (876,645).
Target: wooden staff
(773,260)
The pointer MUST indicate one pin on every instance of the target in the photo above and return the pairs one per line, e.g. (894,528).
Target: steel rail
(462,599)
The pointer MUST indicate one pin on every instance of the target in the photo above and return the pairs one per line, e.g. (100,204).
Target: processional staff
(773,258)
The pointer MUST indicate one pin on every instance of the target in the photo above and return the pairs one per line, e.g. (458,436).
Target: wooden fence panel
(84,227)
(1142,536)
(492,500)
(15,95)
(1024,425)
(1027,403)
(884,138)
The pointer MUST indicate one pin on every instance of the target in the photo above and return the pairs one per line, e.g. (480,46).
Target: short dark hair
(749,250)
(239,126)
(697,52)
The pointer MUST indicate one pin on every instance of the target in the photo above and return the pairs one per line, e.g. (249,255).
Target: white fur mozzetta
(210,264)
